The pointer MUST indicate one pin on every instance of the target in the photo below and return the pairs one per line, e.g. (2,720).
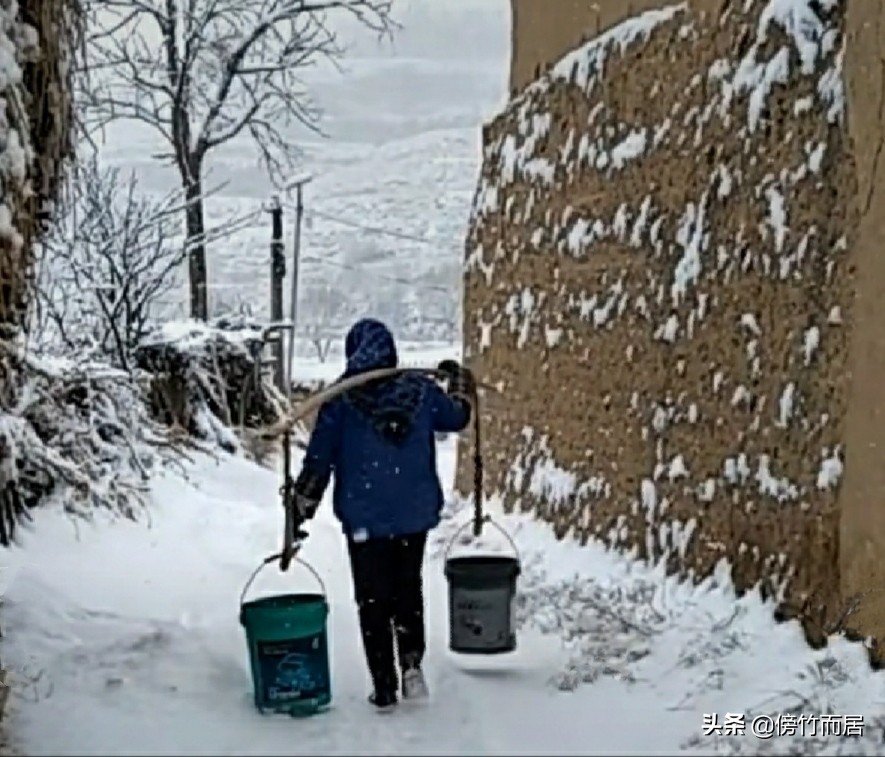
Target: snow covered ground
(123,639)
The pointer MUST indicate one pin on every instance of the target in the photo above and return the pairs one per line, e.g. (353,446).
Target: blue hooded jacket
(379,442)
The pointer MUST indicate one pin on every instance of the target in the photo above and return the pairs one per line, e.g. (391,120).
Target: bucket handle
(274,558)
(485,519)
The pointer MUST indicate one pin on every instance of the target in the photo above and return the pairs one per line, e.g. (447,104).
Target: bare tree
(105,261)
(203,72)
(321,340)
(324,311)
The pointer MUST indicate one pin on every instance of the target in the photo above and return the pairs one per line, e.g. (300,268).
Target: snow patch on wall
(535,472)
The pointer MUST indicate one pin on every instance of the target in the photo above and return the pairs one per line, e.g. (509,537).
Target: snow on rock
(208,369)
(685,251)
(516,154)
(586,65)
(190,334)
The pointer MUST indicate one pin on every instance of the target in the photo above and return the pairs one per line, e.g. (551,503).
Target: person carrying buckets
(379,441)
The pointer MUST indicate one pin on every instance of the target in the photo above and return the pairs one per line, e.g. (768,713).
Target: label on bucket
(293,669)
(481,619)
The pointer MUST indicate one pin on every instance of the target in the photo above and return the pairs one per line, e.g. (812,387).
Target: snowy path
(135,632)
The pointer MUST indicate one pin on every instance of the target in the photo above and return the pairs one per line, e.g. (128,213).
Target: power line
(234,225)
(396,279)
(355,225)
(368,229)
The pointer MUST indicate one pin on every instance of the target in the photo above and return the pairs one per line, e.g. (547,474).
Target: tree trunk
(196,243)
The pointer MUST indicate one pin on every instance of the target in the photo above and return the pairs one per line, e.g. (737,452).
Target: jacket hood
(369,346)
(391,404)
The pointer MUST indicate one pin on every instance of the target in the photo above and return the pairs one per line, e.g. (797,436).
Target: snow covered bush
(88,434)
(77,432)
(326,316)
(105,262)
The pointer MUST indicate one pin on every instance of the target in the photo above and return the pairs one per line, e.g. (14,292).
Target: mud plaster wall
(862,495)
(666,240)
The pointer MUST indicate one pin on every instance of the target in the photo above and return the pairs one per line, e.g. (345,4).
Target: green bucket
(288,649)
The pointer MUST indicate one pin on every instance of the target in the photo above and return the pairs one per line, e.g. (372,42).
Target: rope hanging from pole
(477,469)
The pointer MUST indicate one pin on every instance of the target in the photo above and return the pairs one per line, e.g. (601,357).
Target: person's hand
(305,507)
(449,368)
(307,491)
(461,381)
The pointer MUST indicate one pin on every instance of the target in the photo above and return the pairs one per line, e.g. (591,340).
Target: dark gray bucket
(482,594)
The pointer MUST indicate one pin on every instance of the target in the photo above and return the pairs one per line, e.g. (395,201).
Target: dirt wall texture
(673,274)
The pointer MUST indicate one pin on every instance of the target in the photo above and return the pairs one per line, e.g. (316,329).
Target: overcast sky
(446,29)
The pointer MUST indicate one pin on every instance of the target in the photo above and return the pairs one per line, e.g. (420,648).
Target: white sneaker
(414,685)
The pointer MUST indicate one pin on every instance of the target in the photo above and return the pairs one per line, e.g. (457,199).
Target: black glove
(460,379)
(307,491)
(305,508)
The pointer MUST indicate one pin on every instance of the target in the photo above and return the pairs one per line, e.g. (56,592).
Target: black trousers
(387,583)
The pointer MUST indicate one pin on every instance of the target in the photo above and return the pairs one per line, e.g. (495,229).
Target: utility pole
(296,253)
(277,276)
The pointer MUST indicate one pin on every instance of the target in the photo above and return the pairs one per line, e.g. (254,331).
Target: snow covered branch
(105,262)
(203,72)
